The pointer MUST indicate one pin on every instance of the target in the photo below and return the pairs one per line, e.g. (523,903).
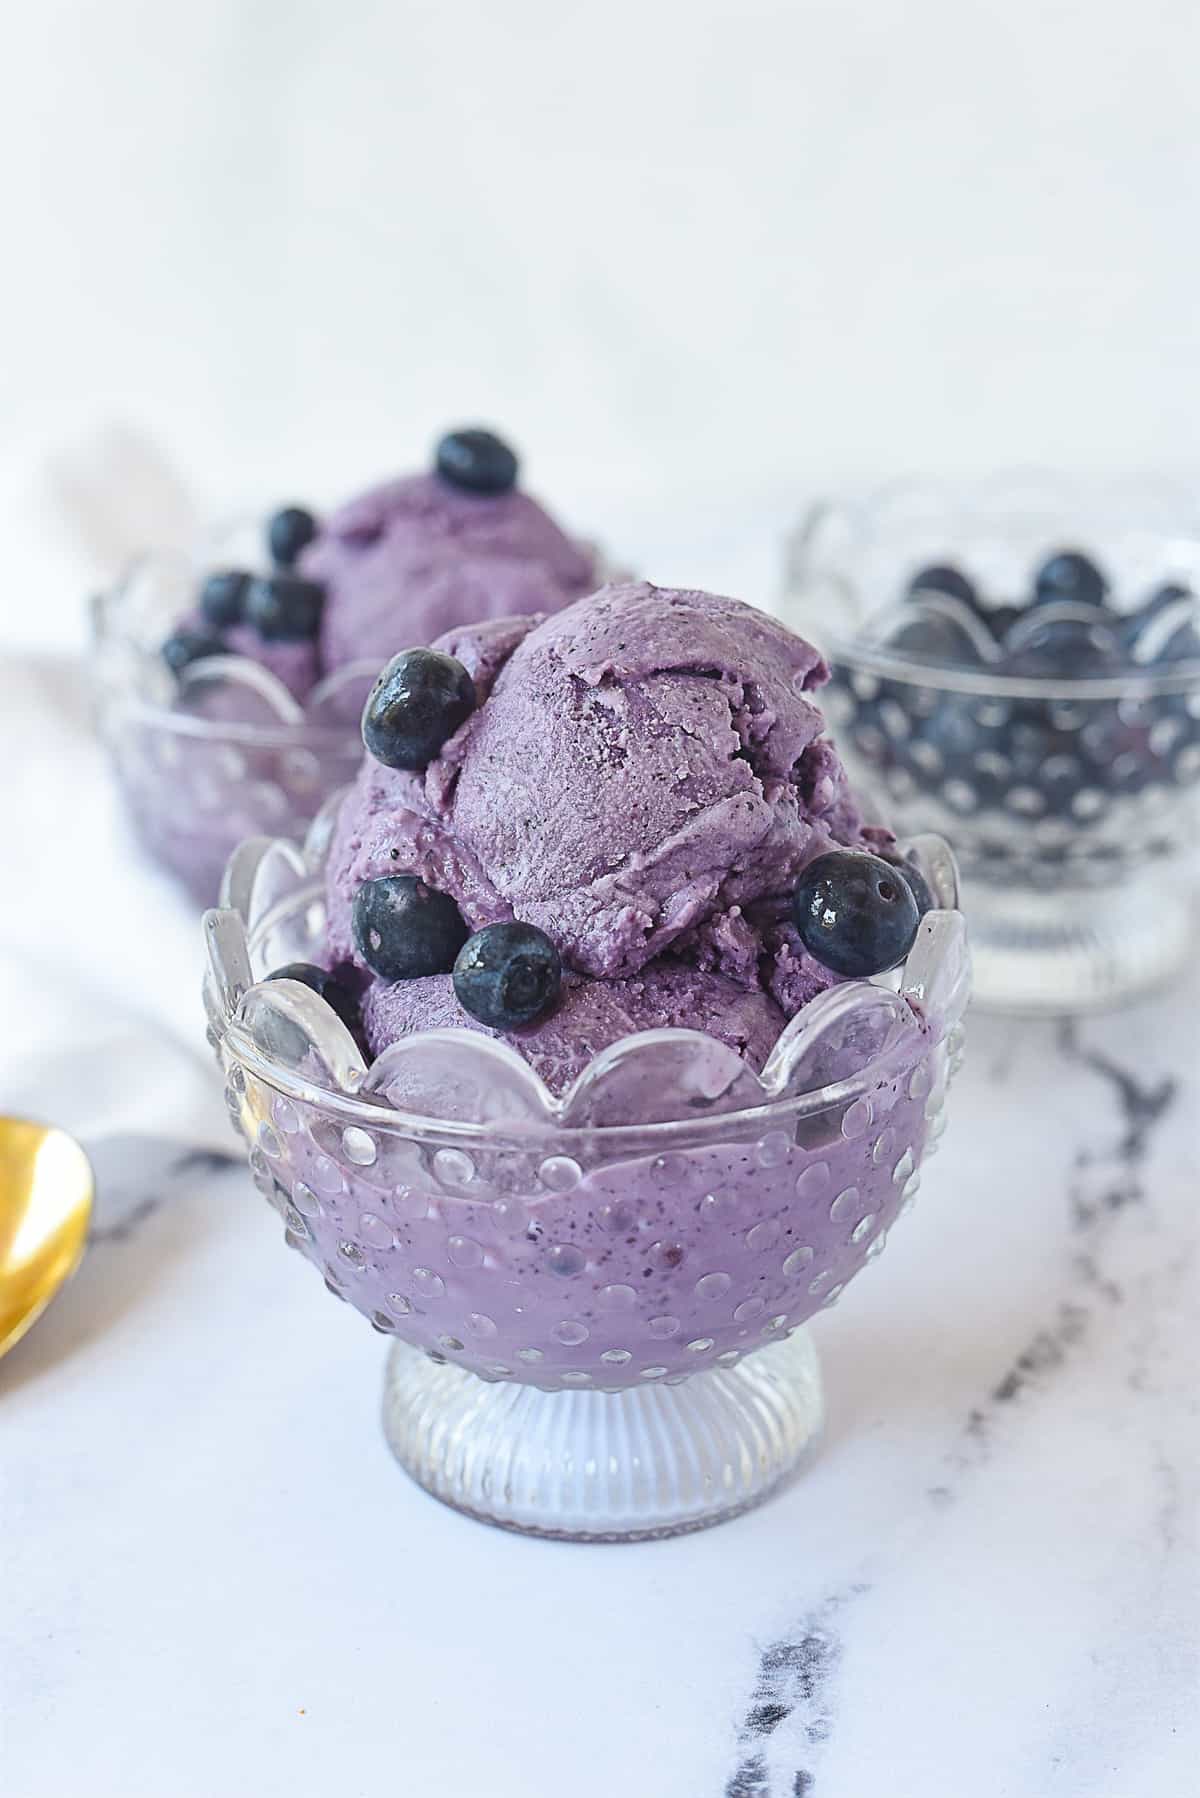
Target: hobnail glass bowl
(223,753)
(1072,800)
(597,1300)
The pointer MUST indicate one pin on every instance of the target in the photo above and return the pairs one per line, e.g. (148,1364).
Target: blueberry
(917,882)
(1000,620)
(284,607)
(855,913)
(184,647)
(1164,629)
(930,636)
(950,581)
(1183,645)
(289,530)
(1069,575)
(223,597)
(416,704)
(404,929)
(1063,642)
(477,462)
(337,996)
(507,975)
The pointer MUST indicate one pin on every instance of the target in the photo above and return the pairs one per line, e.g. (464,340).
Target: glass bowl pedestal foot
(590,1466)
(1080,950)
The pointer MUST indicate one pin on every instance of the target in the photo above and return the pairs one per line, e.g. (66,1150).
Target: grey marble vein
(136,1175)
(792,1705)
(1107,1178)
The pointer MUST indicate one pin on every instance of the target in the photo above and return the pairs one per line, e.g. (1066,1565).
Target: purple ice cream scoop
(391,569)
(590,1015)
(643,778)
(411,560)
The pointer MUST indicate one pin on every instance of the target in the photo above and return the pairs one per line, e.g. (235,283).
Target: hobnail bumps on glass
(1061,790)
(454,1248)
(1037,703)
(225,752)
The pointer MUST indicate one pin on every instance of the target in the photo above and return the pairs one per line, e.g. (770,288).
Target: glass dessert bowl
(597,1299)
(1016,666)
(220,750)
(231,685)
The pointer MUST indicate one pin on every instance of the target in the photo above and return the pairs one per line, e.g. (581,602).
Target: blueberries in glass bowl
(1030,775)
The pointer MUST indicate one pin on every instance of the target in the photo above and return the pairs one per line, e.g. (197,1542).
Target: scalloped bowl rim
(942,928)
(281,732)
(1136,683)
(858,652)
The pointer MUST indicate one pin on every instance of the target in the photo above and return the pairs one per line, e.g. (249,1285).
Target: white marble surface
(215,1580)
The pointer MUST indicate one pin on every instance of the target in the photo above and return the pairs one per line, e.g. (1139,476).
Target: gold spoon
(46,1189)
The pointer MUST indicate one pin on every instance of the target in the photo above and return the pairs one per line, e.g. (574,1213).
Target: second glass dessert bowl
(597,1300)
(1016,665)
(220,751)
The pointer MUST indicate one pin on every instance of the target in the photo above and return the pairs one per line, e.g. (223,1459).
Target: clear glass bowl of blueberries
(1016,666)
(208,699)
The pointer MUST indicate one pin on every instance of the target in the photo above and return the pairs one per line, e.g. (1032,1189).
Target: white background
(697,259)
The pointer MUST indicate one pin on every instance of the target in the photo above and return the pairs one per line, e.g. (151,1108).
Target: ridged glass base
(1076,951)
(604,1467)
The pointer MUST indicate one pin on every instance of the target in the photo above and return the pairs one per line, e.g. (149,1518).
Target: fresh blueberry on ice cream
(507,974)
(477,461)
(856,913)
(412,559)
(290,530)
(183,647)
(404,929)
(337,996)
(223,598)
(418,701)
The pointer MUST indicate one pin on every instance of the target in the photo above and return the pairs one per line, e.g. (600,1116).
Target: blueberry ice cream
(637,783)
(400,564)
(622,818)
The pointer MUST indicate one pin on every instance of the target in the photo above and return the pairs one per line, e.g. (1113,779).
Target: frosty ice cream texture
(643,778)
(412,559)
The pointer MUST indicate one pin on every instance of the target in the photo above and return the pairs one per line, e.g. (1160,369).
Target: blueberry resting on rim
(1069,575)
(507,974)
(223,597)
(416,704)
(855,913)
(184,647)
(943,579)
(289,530)
(404,929)
(476,461)
(327,986)
(284,607)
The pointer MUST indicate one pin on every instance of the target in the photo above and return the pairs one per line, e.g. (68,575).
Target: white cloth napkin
(100,958)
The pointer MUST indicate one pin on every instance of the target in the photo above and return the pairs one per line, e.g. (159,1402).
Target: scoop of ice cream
(645,772)
(398,565)
(412,559)
(644,777)
(589,1016)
